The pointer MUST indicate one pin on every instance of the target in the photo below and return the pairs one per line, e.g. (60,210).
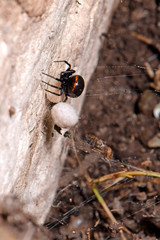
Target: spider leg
(52,85)
(66,97)
(57,94)
(71,71)
(51,77)
(65,63)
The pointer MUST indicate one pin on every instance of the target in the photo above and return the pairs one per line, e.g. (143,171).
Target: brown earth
(119,111)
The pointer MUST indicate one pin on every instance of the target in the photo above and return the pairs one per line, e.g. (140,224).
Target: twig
(91,184)
(146,40)
(128,174)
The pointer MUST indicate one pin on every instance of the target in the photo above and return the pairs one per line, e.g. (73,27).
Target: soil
(118,110)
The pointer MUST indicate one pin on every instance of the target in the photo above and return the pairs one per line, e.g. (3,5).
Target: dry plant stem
(88,234)
(146,40)
(111,186)
(119,176)
(155,76)
(107,210)
(95,190)
(128,174)
(149,70)
(110,215)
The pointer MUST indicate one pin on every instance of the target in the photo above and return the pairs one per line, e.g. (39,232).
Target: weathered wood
(32,37)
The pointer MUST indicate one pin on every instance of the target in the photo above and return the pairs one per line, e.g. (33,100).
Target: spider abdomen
(75,86)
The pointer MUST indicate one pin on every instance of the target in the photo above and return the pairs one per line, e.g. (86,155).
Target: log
(33,35)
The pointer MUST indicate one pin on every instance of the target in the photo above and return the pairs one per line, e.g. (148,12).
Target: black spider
(72,86)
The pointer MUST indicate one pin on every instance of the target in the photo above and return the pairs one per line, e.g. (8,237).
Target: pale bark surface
(33,34)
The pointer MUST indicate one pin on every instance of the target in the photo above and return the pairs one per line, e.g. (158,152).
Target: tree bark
(33,35)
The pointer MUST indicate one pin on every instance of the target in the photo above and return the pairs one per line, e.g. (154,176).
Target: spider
(72,86)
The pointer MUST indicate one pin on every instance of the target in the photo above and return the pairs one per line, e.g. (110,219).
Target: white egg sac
(64,115)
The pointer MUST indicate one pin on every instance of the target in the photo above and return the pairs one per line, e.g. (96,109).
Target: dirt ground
(118,109)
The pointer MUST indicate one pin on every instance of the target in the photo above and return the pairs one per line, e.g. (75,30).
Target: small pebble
(156,111)
(154,142)
(141,196)
(147,102)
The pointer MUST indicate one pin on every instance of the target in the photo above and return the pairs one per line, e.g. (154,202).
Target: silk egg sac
(64,115)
